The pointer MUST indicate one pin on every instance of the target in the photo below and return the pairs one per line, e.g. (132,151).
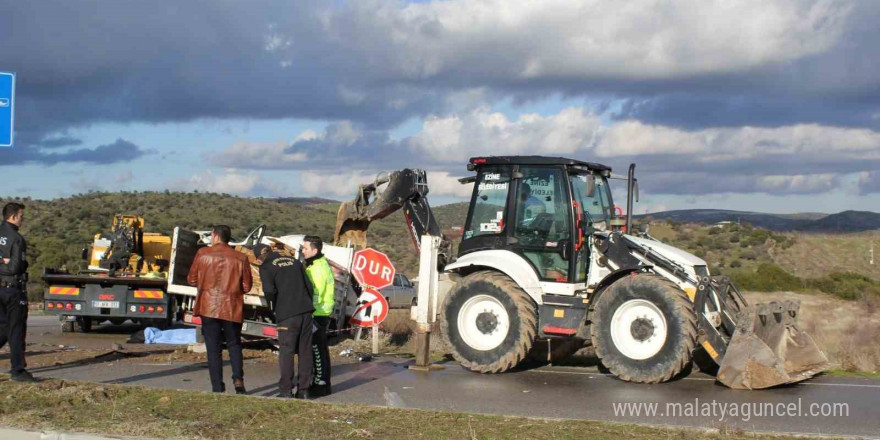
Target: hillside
(305,200)
(814,255)
(58,230)
(846,221)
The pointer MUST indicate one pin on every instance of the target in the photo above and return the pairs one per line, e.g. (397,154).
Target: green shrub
(735,264)
(846,285)
(767,277)
(748,255)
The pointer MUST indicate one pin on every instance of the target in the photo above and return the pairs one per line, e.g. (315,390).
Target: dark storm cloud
(839,87)
(57,142)
(380,62)
(693,111)
(368,65)
(119,151)
(84,63)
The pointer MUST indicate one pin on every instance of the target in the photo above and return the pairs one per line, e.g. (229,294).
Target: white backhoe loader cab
(546,265)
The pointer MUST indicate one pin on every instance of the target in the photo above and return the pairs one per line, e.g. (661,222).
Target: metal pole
(375,336)
(426,305)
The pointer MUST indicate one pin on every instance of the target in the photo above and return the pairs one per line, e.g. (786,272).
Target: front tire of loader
(489,321)
(644,329)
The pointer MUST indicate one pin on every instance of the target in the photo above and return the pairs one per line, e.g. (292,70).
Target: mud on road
(47,346)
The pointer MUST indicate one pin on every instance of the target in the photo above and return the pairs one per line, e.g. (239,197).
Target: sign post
(7,108)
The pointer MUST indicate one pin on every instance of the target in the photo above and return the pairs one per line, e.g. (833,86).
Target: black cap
(259,249)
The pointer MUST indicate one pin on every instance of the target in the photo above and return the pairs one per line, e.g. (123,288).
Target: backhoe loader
(545,259)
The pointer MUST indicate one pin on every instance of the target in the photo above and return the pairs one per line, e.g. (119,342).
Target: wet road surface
(554,392)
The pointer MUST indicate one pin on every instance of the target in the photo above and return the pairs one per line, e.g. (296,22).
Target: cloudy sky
(767,105)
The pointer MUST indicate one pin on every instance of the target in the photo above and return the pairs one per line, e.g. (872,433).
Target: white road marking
(852,385)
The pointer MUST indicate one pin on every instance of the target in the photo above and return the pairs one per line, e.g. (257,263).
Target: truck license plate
(105,304)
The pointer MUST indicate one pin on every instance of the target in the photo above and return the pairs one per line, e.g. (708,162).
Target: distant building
(723,224)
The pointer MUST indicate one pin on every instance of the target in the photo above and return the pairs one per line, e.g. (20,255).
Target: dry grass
(847,331)
(120,410)
(816,255)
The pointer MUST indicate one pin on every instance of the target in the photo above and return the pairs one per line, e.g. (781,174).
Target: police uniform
(321,277)
(13,297)
(287,290)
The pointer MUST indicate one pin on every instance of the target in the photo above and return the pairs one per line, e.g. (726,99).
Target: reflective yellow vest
(321,276)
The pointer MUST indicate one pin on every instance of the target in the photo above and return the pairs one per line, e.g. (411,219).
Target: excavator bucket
(404,189)
(350,228)
(769,348)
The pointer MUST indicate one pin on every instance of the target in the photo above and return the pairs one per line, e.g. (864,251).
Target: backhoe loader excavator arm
(406,189)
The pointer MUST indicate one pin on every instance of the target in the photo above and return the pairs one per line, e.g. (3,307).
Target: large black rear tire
(644,329)
(489,321)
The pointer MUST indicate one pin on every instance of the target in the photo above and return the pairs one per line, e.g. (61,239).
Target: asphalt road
(554,392)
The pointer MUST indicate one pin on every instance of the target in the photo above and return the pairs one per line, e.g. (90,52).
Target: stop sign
(372,268)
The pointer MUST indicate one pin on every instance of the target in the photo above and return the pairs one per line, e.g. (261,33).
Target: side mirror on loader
(591,185)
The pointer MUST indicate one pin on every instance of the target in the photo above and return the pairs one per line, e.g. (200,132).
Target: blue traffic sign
(7,108)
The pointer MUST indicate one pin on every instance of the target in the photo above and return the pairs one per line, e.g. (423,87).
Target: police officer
(321,277)
(13,296)
(287,289)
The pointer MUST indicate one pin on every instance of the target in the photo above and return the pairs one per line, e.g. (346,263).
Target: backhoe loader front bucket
(768,348)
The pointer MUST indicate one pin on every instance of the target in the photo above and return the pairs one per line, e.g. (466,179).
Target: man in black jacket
(13,293)
(288,292)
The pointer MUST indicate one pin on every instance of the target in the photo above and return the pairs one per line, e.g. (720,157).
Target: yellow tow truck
(125,280)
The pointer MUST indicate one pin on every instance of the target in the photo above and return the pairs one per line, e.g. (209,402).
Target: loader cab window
(489,203)
(542,220)
(598,206)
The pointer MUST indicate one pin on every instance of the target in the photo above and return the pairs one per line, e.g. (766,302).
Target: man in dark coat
(286,288)
(222,276)
(13,293)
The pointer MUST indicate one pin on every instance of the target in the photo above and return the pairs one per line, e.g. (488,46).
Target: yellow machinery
(127,248)
(125,280)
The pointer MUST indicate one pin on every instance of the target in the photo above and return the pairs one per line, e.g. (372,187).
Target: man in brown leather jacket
(222,276)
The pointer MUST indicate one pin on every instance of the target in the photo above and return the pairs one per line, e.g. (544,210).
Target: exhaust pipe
(630,186)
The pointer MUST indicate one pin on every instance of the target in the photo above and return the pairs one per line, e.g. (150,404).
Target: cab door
(487,222)
(542,223)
